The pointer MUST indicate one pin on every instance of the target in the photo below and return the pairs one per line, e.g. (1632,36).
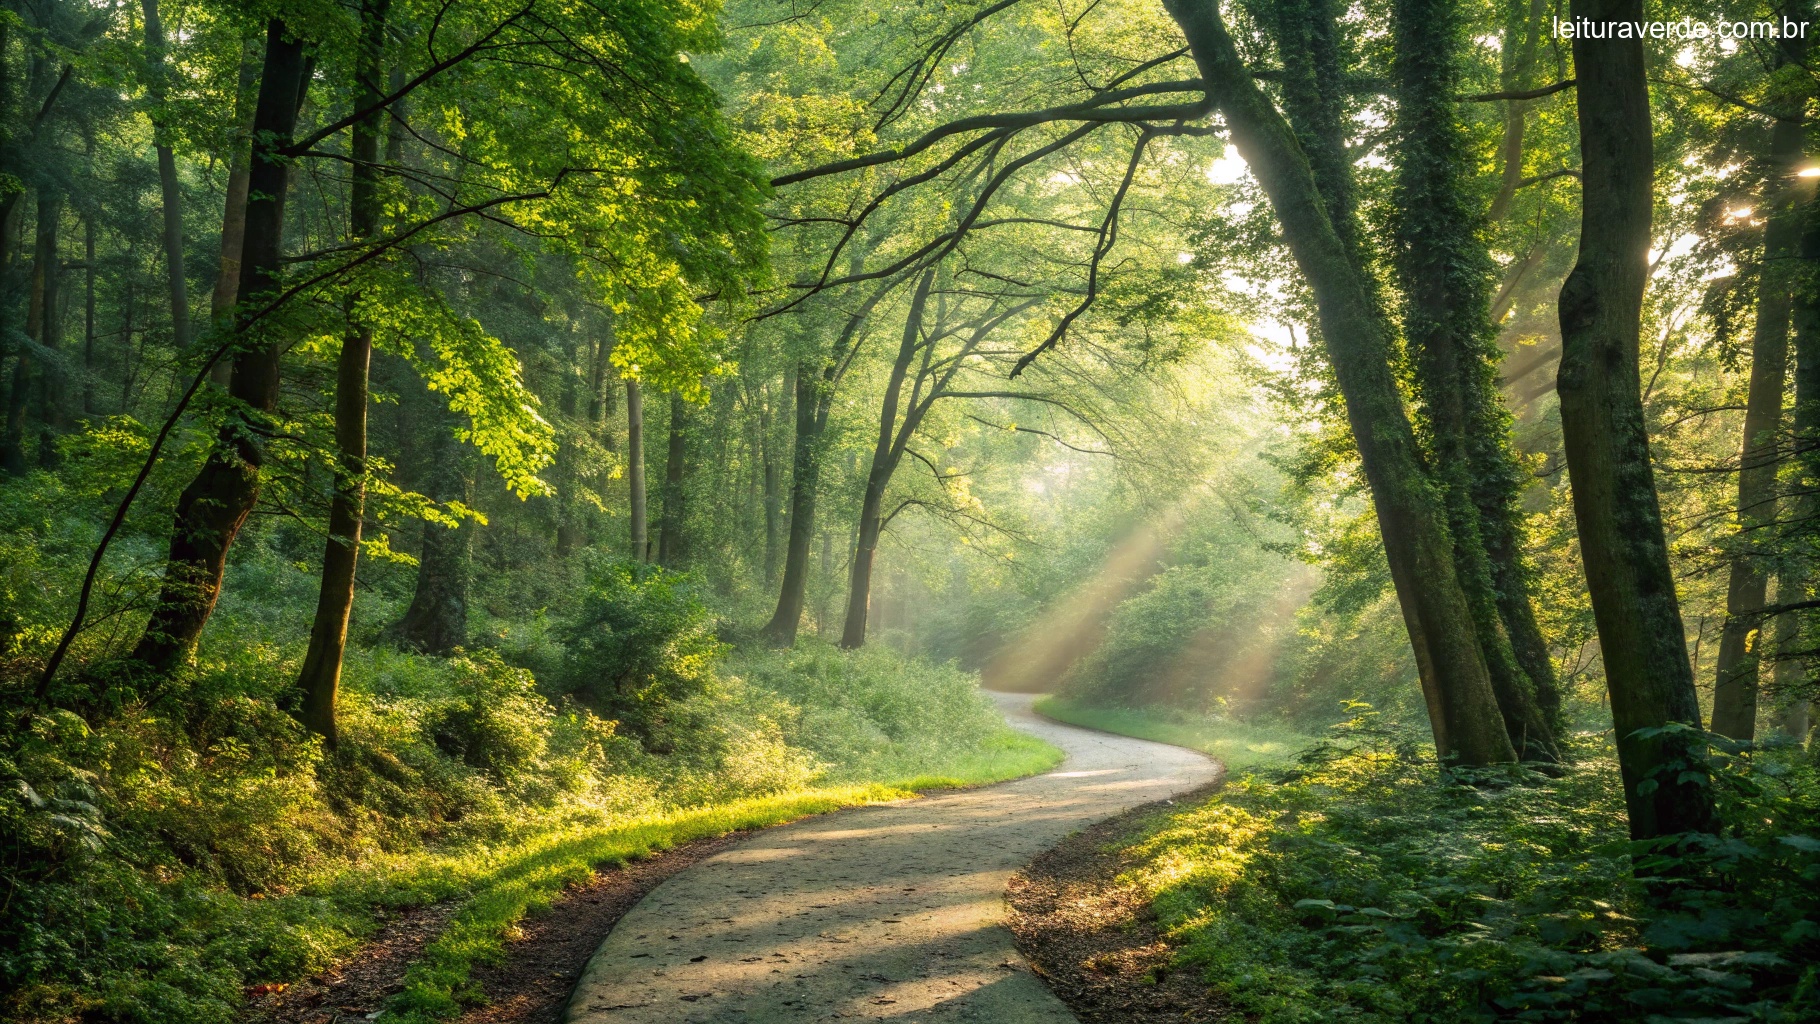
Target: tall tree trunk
(52,402)
(1522,32)
(167,180)
(600,394)
(1740,645)
(39,302)
(437,620)
(212,509)
(1625,554)
(814,399)
(233,215)
(1462,709)
(805,478)
(1446,278)
(774,478)
(670,525)
(320,677)
(878,478)
(1798,576)
(88,316)
(635,467)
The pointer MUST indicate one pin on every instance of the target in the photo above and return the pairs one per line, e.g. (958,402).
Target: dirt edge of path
(1094,941)
(543,961)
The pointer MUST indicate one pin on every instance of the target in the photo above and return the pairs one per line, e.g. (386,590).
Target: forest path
(891,912)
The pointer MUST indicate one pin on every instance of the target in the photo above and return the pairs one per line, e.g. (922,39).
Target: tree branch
(1094,109)
(1521,94)
(1109,235)
(484,42)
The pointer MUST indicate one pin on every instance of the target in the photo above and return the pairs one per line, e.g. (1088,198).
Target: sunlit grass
(1240,746)
(505,888)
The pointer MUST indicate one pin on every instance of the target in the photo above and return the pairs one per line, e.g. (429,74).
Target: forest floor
(894,911)
(1094,939)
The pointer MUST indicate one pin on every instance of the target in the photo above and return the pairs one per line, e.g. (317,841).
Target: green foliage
(641,642)
(162,850)
(1360,884)
(874,714)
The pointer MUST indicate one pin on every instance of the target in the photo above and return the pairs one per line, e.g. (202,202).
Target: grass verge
(506,889)
(1238,745)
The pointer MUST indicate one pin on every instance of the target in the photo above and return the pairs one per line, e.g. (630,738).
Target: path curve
(891,912)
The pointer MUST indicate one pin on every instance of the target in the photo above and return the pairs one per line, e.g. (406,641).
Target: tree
(320,676)
(1462,707)
(670,524)
(167,180)
(635,469)
(1607,445)
(1445,274)
(214,507)
(1744,639)
(815,386)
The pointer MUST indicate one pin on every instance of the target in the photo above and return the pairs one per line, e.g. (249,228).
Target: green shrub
(494,719)
(641,643)
(876,715)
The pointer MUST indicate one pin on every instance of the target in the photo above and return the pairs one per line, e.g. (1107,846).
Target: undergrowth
(1361,885)
(164,847)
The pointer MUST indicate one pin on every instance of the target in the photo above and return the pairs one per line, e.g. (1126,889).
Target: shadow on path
(892,912)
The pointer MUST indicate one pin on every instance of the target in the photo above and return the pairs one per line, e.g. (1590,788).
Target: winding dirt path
(893,912)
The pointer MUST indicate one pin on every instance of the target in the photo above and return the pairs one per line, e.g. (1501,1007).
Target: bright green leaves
(472,369)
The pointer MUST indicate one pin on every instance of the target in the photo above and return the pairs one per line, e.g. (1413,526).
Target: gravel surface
(893,912)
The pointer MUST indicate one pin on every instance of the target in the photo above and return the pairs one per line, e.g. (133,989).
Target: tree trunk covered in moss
(1446,272)
(1624,551)
(1359,338)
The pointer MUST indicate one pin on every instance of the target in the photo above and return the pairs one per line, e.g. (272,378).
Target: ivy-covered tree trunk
(878,477)
(670,524)
(1445,273)
(1463,711)
(1622,544)
(320,677)
(1741,644)
(212,509)
(176,279)
(635,467)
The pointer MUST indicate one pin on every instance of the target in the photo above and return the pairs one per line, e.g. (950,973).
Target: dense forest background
(449,439)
